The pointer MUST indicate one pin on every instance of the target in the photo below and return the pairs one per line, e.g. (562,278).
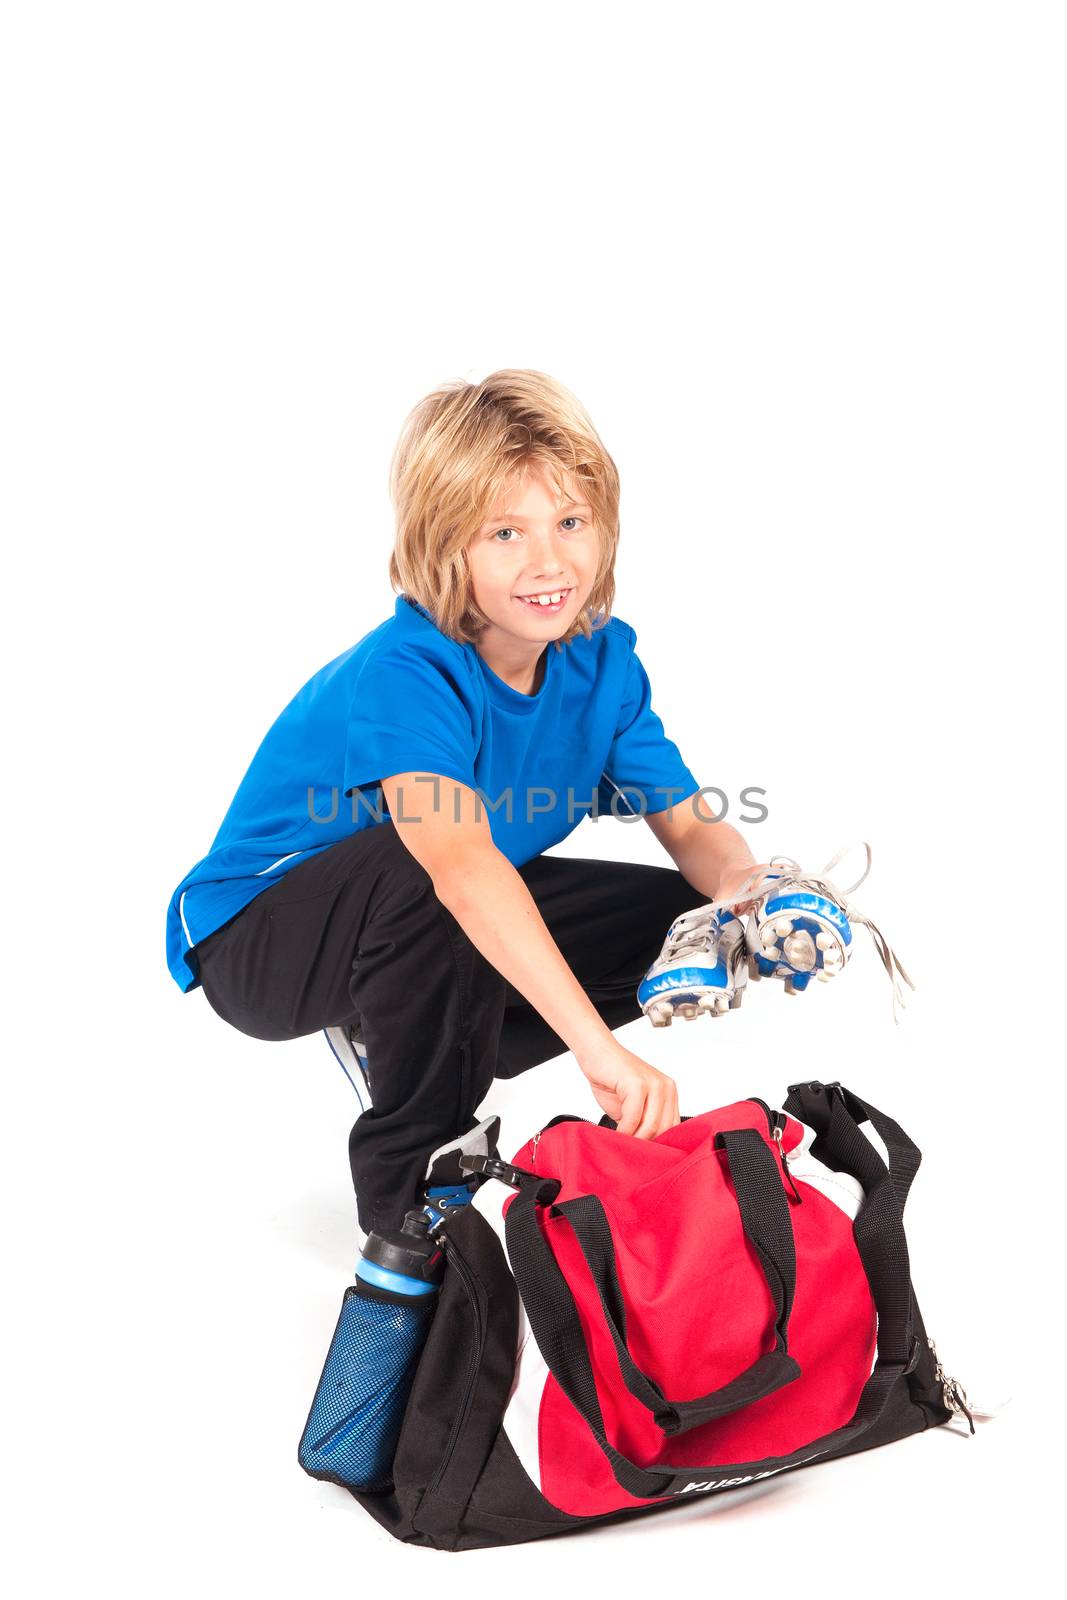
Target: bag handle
(765,1219)
(837,1115)
(555,1325)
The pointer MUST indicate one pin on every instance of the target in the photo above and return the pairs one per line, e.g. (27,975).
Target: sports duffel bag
(625,1324)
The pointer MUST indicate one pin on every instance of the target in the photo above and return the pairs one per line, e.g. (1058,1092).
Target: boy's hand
(640,1099)
(735,879)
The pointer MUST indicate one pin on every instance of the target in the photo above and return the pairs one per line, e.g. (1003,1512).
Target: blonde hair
(457,451)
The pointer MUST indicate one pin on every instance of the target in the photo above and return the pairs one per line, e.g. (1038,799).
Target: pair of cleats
(800,931)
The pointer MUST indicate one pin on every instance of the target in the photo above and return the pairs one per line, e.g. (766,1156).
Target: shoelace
(693,936)
(790,877)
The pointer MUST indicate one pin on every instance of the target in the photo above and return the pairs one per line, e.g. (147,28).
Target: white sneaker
(351,1055)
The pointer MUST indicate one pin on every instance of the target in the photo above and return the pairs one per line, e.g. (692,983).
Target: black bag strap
(837,1116)
(557,1329)
(765,1218)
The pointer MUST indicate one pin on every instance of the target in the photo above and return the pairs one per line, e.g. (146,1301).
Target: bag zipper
(777,1129)
(773,1124)
(953,1394)
(474,1360)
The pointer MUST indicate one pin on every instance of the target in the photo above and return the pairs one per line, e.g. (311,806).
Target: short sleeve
(641,756)
(408,714)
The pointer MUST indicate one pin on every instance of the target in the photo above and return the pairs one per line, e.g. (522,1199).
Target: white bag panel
(840,1187)
(523,1411)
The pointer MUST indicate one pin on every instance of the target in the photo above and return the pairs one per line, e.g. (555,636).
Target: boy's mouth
(548,601)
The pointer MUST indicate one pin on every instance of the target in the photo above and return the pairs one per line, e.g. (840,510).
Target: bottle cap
(410,1249)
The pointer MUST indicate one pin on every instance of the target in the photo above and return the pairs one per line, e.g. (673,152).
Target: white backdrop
(804,266)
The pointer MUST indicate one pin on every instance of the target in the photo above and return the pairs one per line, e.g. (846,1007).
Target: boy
(381,866)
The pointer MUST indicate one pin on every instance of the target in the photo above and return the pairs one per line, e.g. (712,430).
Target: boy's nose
(546,561)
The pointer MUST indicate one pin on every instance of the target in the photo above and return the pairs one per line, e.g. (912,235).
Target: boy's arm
(710,855)
(447,830)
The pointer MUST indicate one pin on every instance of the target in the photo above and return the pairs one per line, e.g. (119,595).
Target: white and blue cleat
(797,933)
(702,968)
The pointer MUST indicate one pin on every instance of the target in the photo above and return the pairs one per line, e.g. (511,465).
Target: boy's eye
(500,531)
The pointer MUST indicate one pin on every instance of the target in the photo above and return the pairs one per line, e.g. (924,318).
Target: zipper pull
(776,1135)
(953,1393)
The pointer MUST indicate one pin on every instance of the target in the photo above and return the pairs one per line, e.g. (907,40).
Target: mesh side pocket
(351,1433)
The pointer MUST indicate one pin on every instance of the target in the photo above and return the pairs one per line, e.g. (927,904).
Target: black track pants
(357,932)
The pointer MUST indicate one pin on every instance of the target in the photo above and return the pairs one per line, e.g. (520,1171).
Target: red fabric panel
(698,1307)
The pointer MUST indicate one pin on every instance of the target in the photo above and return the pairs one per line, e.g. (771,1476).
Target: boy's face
(534,544)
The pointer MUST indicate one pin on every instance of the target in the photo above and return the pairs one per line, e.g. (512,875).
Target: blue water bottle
(352,1431)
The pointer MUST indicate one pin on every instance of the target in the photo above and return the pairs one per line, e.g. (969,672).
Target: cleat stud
(825,941)
(799,951)
(783,927)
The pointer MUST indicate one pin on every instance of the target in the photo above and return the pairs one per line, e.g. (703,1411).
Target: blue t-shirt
(407,698)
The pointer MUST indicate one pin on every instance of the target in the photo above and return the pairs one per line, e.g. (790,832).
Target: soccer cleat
(801,928)
(701,968)
(351,1055)
(795,933)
